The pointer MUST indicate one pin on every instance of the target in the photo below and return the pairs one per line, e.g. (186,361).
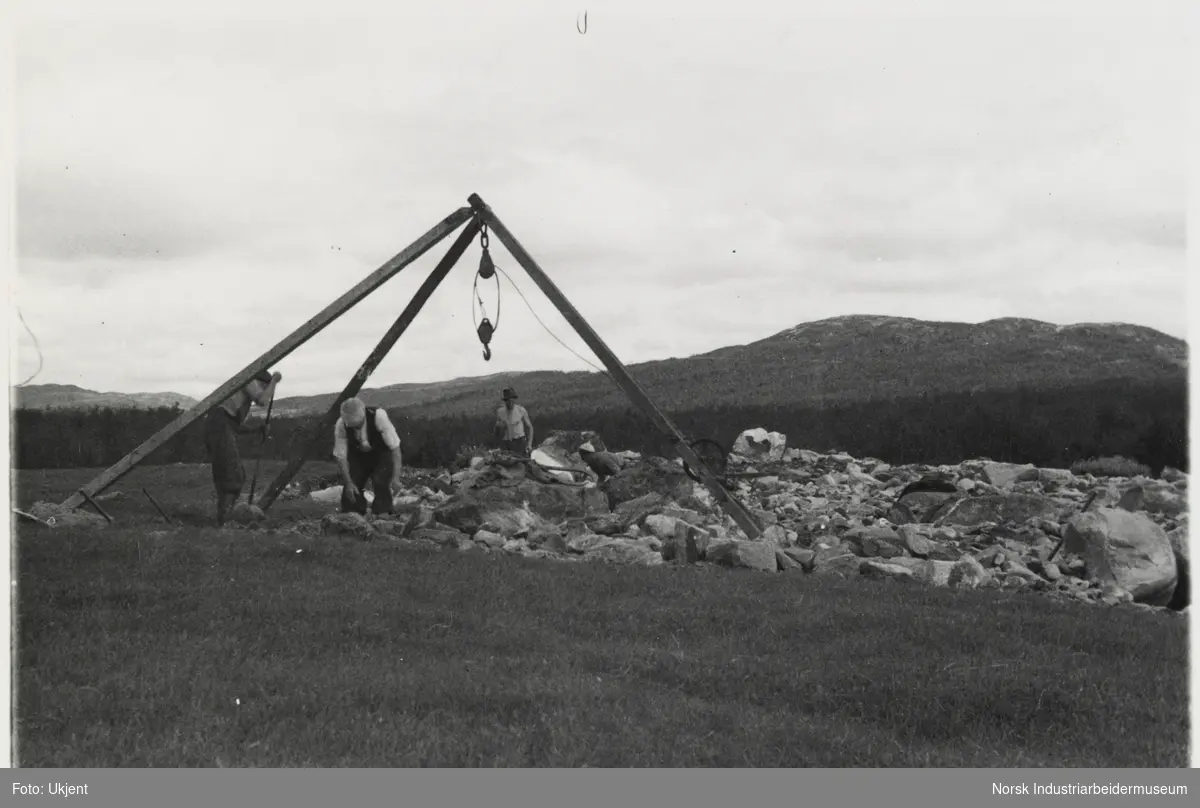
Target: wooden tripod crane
(476,216)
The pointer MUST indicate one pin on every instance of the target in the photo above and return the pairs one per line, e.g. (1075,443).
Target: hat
(263,376)
(587,447)
(354,412)
(509,393)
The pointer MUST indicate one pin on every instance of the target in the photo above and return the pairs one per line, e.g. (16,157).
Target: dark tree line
(1053,428)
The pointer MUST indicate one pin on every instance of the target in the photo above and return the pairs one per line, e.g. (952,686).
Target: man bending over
(366,447)
(224,423)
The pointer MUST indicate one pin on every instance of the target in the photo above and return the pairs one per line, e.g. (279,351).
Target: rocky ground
(1109,541)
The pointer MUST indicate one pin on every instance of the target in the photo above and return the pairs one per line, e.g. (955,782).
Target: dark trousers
(377,467)
(515,445)
(228,476)
(220,439)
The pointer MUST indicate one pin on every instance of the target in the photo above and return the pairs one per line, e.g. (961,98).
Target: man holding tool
(224,423)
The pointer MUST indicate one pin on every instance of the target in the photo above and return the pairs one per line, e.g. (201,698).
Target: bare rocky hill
(843,359)
(69,396)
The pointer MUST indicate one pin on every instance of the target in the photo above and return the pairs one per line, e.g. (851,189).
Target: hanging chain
(483,236)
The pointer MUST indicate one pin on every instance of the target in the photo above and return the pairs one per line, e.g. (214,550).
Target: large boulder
(967,573)
(931,572)
(1127,551)
(760,446)
(444,536)
(516,509)
(876,568)
(1164,499)
(634,511)
(1054,479)
(1000,508)
(560,449)
(1133,499)
(920,545)
(755,555)
(306,485)
(1004,475)
(333,494)
(348,524)
(922,501)
(549,464)
(512,497)
(804,557)
(687,546)
(606,524)
(1172,474)
(1183,558)
(874,542)
(650,476)
(625,551)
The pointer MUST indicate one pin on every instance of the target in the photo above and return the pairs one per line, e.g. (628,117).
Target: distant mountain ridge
(847,359)
(70,396)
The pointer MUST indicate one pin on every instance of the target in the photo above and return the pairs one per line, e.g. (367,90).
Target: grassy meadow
(146,644)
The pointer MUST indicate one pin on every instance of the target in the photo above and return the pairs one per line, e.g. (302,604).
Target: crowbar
(258,462)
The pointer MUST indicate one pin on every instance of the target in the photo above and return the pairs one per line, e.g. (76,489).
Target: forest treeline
(1050,428)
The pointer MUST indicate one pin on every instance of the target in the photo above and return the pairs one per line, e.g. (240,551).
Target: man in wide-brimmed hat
(366,447)
(513,426)
(224,423)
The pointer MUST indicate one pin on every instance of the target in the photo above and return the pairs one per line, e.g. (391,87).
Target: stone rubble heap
(975,524)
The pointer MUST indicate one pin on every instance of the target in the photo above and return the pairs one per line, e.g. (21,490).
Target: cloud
(690,178)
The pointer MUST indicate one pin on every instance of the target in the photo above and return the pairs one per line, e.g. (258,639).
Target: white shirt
(513,422)
(382,423)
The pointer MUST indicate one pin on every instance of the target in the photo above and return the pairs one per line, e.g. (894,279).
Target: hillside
(69,396)
(842,360)
(839,360)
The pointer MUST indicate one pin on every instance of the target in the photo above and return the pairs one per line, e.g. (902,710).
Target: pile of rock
(975,524)
(55,516)
(310,486)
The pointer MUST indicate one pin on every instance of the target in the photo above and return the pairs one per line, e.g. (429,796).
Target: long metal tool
(632,389)
(87,498)
(373,359)
(157,507)
(261,449)
(290,343)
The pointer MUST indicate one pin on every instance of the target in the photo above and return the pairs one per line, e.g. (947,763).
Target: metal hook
(584,29)
(485,331)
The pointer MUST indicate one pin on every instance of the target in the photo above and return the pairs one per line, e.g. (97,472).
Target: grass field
(267,648)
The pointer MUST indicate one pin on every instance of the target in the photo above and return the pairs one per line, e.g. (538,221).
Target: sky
(192,187)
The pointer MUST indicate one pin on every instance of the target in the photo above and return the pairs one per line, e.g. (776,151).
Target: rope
(517,289)
(670,438)
(482,309)
(666,435)
(36,347)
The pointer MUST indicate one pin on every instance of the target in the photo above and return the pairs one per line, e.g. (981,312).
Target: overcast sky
(192,189)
